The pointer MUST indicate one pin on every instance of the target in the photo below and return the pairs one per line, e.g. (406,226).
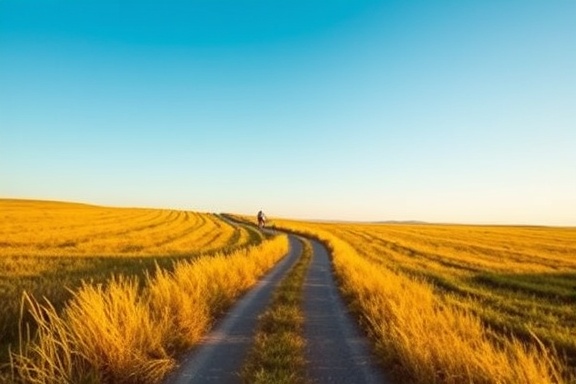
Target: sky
(440,111)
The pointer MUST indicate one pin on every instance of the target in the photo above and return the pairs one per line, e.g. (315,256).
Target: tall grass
(517,280)
(422,338)
(431,342)
(48,248)
(126,333)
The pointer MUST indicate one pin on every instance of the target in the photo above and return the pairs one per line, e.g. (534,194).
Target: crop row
(49,229)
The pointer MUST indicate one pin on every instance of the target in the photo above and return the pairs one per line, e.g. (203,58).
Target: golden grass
(397,279)
(32,228)
(443,304)
(123,333)
(48,249)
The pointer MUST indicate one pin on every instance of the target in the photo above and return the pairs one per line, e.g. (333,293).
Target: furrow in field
(213,233)
(74,225)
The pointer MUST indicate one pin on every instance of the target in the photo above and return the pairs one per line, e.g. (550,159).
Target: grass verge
(277,355)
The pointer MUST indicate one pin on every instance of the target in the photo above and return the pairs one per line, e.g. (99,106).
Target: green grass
(277,355)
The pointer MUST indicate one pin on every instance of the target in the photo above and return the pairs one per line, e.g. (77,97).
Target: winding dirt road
(337,351)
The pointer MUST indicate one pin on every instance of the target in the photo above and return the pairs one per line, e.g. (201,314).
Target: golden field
(55,251)
(454,304)
(32,228)
(115,294)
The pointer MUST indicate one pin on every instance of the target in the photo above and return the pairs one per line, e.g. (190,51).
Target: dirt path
(337,350)
(220,355)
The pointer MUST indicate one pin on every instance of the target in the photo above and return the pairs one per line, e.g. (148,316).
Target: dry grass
(124,333)
(422,330)
(34,228)
(443,304)
(48,249)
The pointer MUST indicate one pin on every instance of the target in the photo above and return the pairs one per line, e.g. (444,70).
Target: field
(116,294)
(447,303)
(48,249)
(34,229)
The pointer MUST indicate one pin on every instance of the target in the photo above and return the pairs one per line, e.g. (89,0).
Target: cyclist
(261,219)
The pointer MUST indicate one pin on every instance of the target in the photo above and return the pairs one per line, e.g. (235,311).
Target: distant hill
(400,222)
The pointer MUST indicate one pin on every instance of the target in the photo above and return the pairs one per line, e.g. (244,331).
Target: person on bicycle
(261,219)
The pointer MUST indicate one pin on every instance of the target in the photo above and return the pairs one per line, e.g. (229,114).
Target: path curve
(220,355)
(336,349)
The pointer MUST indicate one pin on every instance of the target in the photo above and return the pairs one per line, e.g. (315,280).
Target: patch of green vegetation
(277,355)
(559,287)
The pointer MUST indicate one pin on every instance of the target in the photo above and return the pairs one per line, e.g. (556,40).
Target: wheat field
(453,304)
(31,228)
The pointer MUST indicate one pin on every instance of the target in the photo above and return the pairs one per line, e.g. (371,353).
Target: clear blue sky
(443,111)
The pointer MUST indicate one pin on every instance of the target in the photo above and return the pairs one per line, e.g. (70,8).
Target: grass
(431,296)
(518,280)
(126,332)
(442,304)
(35,228)
(277,355)
(50,249)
